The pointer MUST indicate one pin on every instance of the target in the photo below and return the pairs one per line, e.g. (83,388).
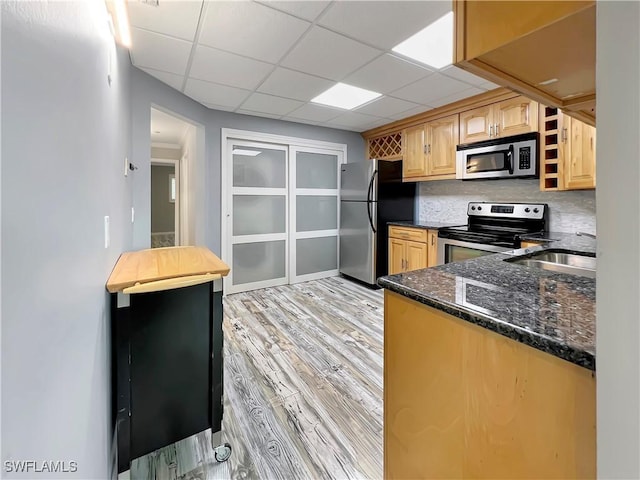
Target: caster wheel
(222,452)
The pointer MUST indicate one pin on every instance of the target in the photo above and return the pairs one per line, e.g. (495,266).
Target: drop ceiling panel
(174,18)
(257,114)
(260,102)
(409,113)
(463,76)
(387,73)
(386,106)
(433,87)
(309,10)
(227,68)
(470,92)
(211,93)
(354,120)
(328,55)
(251,29)
(171,79)
(300,86)
(159,52)
(167,128)
(315,113)
(382,24)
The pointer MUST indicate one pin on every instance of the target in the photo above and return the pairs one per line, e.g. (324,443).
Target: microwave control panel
(525,158)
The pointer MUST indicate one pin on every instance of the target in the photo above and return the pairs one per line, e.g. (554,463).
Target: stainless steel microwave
(500,158)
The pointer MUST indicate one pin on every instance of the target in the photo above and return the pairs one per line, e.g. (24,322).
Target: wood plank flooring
(303,389)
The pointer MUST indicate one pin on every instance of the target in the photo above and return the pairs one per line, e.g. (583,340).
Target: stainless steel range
(490,228)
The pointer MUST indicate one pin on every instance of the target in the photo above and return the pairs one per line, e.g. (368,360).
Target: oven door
(450,251)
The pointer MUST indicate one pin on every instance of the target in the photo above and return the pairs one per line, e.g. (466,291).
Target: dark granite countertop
(553,312)
(425,225)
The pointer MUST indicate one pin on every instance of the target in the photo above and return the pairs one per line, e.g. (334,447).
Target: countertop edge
(534,340)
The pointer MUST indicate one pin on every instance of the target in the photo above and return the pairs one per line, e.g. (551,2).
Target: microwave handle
(510,155)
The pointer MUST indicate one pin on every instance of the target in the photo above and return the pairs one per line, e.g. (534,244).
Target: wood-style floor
(303,389)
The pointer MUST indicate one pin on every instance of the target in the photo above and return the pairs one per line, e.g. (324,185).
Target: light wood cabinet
(503,119)
(544,50)
(568,146)
(461,401)
(430,150)
(529,244)
(411,249)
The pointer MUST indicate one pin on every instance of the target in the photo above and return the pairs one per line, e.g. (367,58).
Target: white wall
(65,133)
(618,207)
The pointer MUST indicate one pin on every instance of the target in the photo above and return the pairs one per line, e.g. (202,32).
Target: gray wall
(147,92)
(65,134)
(446,201)
(618,276)
(163,212)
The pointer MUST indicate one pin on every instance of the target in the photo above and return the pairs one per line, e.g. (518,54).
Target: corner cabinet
(411,249)
(430,150)
(503,119)
(568,152)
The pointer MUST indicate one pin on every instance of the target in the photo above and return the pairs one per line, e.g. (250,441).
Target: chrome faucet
(584,234)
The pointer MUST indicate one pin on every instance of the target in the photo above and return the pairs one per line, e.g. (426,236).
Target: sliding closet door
(314,213)
(258,221)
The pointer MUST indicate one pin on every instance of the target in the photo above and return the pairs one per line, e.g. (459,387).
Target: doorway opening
(172,140)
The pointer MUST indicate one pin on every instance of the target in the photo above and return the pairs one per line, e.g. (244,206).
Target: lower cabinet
(411,249)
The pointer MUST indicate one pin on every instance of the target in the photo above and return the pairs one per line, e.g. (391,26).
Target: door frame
(176,164)
(226,176)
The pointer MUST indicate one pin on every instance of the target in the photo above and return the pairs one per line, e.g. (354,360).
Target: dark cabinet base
(167,368)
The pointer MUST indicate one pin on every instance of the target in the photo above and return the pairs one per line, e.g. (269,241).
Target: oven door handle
(510,155)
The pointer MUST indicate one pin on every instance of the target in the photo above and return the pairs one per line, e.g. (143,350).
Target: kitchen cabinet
(529,244)
(430,150)
(568,147)
(544,50)
(461,401)
(411,249)
(502,119)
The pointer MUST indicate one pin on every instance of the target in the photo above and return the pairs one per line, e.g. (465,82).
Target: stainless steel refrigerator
(371,195)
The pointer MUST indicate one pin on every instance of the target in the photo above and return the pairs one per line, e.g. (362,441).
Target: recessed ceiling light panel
(345,96)
(432,45)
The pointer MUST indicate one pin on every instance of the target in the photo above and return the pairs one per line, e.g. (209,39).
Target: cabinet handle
(424,149)
(429,149)
(402,265)
(491,131)
(433,240)
(497,129)
(564,135)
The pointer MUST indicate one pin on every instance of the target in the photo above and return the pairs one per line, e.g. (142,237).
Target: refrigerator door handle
(369,192)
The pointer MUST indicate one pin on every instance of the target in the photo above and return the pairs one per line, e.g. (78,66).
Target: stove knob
(479,208)
(535,210)
(473,208)
(527,209)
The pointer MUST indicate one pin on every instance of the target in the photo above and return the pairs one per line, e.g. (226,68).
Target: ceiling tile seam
(270,95)
(246,57)
(267,4)
(194,46)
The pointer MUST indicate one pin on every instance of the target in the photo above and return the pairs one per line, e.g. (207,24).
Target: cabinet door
(432,248)
(414,163)
(416,257)
(396,255)
(515,116)
(580,156)
(442,138)
(474,124)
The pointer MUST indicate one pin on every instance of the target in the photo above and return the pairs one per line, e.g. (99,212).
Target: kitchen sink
(560,261)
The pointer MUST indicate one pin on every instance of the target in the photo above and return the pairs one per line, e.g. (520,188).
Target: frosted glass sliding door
(314,213)
(258,219)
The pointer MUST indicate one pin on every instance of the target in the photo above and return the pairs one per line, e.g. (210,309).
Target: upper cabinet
(568,152)
(430,150)
(503,119)
(544,50)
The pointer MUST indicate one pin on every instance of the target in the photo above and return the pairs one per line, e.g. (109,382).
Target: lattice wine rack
(551,142)
(387,147)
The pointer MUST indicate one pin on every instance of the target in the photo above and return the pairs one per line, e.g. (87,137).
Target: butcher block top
(155,264)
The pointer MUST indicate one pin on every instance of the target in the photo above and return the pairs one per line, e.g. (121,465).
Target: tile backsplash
(446,201)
